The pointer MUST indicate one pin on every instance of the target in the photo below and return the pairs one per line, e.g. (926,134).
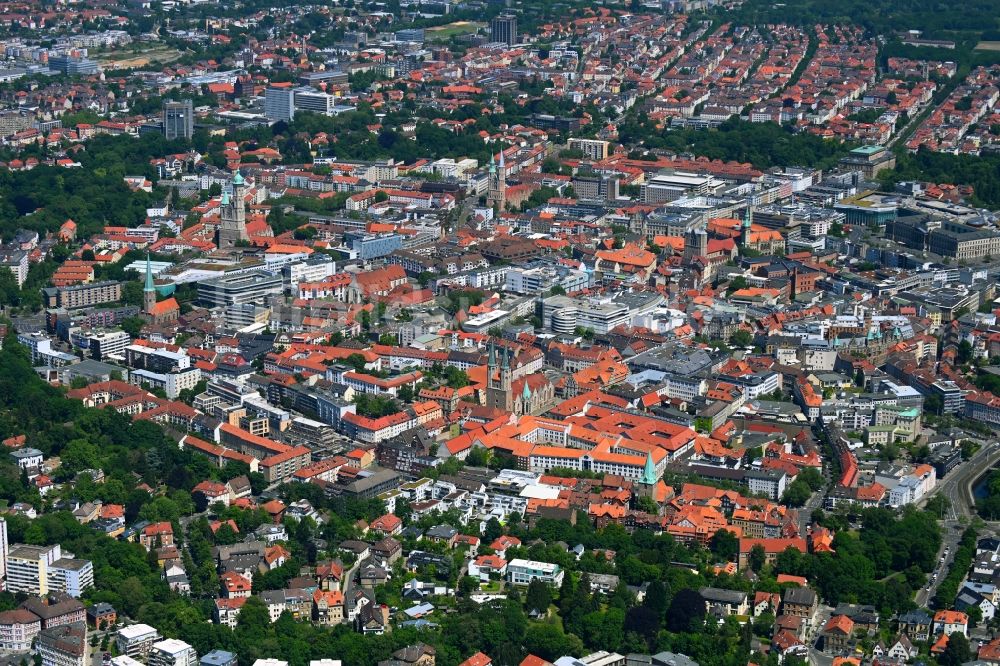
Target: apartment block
(172,652)
(28,568)
(136,640)
(522,572)
(65,645)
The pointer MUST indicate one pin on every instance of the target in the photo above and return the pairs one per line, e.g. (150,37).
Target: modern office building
(410,35)
(371,246)
(596,188)
(73,65)
(252,287)
(110,343)
(310,99)
(504,29)
(671,185)
(178,119)
(279,103)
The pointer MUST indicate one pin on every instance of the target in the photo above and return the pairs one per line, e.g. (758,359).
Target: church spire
(149,291)
(649,471)
(747,224)
(149,275)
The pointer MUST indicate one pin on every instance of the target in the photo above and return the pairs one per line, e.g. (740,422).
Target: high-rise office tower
(178,119)
(504,29)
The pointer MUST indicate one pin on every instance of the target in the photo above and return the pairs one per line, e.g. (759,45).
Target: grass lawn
(445,32)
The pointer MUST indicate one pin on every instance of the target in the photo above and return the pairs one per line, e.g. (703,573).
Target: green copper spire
(149,275)
(238,178)
(649,472)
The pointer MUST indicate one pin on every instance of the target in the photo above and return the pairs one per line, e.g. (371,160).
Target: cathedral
(527,395)
(233,226)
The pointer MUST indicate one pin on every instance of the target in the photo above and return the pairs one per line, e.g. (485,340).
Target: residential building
(172,652)
(28,568)
(65,645)
(136,640)
(522,572)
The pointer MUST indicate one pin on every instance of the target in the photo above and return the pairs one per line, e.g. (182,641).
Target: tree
(741,338)
(737,283)
(467,585)
(725,545)
(957,651)
(796,494)
(811,477)
(964,354)
(492,531)
(538,596)
(478,457)
(757,557)
(549,642)
(656,598)
(132,326)
(686,612)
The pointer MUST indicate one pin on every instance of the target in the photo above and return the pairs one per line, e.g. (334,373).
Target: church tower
(649,477)
(498,381)
(747,223)
(695,244)
(149,291)
(232,210)
(496,197)
(649,482)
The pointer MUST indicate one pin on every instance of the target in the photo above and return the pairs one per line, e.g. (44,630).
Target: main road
(957,488)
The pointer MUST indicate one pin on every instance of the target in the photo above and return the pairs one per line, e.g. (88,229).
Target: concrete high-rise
(279,103)
(504,29)
(178,119)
